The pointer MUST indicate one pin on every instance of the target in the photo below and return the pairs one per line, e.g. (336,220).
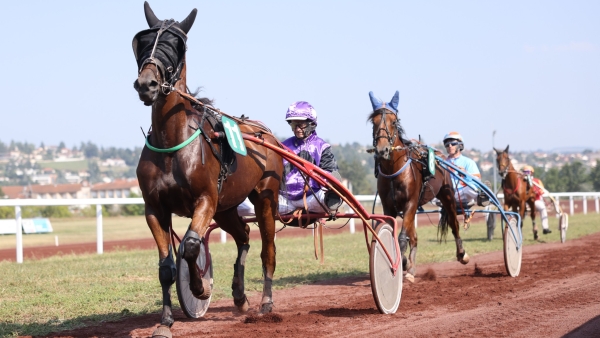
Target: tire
(563,224)
(192,307)
(386,287)
(512,254)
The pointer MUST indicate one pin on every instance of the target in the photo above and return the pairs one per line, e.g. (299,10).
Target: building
(48,191)
(116,189)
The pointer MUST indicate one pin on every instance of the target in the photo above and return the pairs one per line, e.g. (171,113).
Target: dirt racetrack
(556,295)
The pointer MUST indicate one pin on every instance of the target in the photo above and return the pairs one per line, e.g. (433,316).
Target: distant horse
(400,167)
(516,191)
(202,179)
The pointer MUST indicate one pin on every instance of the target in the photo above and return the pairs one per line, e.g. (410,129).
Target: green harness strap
(175,148)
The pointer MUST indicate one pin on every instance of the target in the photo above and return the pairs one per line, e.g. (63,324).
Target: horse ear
(187,23)
(394,102)
(150,17)
(506,150)
(375,102)
(497,151)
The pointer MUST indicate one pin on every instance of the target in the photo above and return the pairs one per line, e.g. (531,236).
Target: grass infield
(65,292)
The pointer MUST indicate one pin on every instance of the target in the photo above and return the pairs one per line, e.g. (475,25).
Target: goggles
(453,143)
(526,172)
(299,124)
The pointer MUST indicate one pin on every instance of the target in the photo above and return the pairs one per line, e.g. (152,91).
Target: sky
(528,70)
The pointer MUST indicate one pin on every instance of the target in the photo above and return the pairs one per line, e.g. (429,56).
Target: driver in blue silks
(453,142)
(302,118)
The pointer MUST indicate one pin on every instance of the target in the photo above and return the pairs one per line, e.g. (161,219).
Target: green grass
(74,165)
(60,293)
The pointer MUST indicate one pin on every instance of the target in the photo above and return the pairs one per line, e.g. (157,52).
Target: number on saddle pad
(234,135)
(431,161)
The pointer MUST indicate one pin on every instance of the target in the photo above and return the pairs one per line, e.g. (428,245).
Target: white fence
(98,202)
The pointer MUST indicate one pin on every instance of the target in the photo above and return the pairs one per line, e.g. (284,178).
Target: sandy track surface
(556,295)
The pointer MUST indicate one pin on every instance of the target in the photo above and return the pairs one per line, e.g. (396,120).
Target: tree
(595,176)
(133,209)
(357,174)
(61,146)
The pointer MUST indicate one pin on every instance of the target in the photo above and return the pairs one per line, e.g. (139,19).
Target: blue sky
(528,69)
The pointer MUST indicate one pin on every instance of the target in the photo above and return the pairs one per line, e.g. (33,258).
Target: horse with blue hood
(406,181)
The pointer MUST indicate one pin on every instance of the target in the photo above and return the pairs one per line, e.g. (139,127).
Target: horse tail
(443,225)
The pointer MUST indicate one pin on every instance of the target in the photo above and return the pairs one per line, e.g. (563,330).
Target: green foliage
(49,211)
(594,176)
(7,212)
(571,177)
(356,165)
(133,209)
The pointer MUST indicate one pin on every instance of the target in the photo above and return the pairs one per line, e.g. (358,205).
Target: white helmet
(454,135)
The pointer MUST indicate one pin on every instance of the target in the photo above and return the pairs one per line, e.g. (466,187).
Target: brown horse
(400,168)
(516,191)
(202,180)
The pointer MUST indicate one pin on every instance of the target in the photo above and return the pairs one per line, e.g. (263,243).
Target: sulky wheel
(386,287)
(512,253)
(563,224)
(192,307)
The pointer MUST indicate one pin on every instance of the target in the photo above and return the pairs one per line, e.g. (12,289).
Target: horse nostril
(136,85)
(153,84)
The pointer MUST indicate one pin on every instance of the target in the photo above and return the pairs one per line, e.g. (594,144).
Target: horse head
(386,125)
(503,161)
(160,55)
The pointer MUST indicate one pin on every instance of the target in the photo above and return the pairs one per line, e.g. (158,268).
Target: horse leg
(203,213)
(265,206)
(230,222)
(531,204)
(409,224)
(166,268)
(447,200)
(403,242)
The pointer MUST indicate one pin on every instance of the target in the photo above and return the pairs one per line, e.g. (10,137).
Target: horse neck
(512,176)
(397,158)
(170,124)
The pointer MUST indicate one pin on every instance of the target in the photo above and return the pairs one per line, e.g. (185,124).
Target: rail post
(571,208)
(352,225)
(597,205)
(99,243)
(19,233)
(223,236)
(584,205)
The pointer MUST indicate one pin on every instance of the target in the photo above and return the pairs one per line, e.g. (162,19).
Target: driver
(453,142)
(538,189)
(302,118)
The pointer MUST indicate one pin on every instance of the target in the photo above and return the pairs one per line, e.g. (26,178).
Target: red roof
(116,185)
(18,191)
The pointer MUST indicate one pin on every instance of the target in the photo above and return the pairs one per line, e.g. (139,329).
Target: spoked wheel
(512,254)
(563,224)
(192,306)
(386,287)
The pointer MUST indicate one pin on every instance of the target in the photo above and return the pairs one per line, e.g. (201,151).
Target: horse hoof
(207,290)
(242,304)
(465,259)
(409,277)
(162,332)
(266,308)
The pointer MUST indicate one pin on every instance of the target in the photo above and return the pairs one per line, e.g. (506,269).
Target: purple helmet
(301,110)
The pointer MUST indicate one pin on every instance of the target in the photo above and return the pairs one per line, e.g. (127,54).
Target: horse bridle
(166,86)
(391,138)
(504,172)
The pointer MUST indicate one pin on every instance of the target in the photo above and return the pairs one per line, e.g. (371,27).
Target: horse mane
(204,100)
(401,132)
